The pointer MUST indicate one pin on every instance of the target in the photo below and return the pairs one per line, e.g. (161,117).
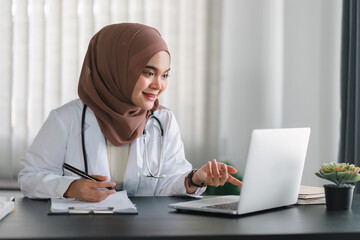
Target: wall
(281,68)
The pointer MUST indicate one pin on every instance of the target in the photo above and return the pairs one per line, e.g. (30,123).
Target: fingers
(97,185)
(208,173)
(231,169)
(234,181)
(224,174)
(100,177)
(102,183)
(217,174)
(90,191)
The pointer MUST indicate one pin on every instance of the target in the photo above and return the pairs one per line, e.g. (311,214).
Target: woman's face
(152,81)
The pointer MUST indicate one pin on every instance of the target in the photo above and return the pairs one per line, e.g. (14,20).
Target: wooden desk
(156,221)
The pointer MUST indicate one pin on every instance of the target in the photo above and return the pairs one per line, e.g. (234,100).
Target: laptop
(272,174)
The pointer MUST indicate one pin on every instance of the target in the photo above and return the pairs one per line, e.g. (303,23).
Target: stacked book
(311,195)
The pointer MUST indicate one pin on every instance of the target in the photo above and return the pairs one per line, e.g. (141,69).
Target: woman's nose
(156,83)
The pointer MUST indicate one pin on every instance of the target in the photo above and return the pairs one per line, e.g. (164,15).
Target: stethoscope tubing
(160,161)
(83,138)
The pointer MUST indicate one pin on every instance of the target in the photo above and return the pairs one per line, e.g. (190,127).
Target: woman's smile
(150,96)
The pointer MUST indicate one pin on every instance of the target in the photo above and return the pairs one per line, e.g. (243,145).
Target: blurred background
(236,65)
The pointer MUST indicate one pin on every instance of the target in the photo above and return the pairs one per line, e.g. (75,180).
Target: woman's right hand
(87,190)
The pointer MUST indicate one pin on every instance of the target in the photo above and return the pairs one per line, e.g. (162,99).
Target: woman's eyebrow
(154,68)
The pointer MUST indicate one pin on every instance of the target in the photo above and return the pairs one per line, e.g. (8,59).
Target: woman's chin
(147,107)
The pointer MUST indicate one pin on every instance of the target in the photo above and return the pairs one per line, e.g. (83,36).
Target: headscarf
(116,57)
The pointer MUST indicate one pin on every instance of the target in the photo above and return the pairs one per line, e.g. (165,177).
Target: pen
(81,173)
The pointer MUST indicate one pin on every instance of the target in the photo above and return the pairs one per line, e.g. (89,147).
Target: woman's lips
(150,96)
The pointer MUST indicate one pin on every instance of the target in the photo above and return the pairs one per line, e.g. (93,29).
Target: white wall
(281,68)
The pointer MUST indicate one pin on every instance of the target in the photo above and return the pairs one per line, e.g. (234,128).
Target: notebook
(272,174)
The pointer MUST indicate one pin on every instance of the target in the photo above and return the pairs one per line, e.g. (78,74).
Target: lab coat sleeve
(175,165)
(42,175)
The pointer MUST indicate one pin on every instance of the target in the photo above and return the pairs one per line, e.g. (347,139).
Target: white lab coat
(59,141)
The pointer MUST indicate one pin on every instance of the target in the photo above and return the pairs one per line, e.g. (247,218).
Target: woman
(125,70)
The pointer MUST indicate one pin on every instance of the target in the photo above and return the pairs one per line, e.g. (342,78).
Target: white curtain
(236,65)
(43,43)
(281,68)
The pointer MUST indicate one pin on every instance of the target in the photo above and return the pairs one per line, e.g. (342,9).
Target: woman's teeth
(150,96)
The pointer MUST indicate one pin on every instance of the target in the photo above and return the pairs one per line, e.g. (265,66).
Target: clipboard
(98,211)
(115,204)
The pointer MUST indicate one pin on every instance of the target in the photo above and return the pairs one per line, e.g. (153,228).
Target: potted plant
(339,194)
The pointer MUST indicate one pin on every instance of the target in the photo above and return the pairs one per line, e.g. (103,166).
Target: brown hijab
(116,57)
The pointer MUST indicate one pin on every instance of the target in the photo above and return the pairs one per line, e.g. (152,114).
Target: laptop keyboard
(227,206)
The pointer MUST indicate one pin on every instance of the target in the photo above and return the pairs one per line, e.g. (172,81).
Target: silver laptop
(272,174)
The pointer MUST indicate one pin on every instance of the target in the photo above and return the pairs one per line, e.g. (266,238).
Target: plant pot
(338,197)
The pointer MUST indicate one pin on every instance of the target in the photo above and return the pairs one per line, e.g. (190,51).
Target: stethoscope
(150,173)
(160,161)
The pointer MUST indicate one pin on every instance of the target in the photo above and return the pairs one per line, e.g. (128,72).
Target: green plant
(339,173)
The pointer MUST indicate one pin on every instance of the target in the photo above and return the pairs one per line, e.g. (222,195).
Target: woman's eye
(148,74)
(166,75)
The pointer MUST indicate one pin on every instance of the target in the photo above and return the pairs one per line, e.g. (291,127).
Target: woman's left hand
(214,174)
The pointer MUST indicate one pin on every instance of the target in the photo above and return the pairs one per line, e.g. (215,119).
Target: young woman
(117,131)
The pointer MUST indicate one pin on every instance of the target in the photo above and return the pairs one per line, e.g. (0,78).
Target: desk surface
(156,221)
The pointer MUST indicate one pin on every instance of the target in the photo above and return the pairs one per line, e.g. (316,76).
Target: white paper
(6,206)
(119,201)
